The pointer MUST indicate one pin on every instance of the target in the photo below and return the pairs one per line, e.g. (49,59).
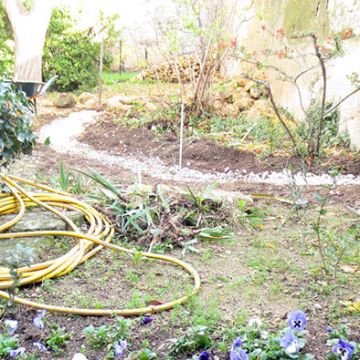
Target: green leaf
(216,233)
(47,141)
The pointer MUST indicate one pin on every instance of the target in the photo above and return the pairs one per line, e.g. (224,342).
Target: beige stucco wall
(324,17)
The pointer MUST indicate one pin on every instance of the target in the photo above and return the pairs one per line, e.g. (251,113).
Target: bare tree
(320,106)
(196,40)
(29,28)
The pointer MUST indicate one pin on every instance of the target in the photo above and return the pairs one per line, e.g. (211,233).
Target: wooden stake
(101,71)
(181,136)
(120,57)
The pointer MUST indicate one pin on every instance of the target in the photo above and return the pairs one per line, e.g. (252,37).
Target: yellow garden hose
(97,236)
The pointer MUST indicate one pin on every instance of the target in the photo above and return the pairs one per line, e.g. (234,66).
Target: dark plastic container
(31,89)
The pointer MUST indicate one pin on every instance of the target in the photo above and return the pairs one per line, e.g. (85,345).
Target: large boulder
(36,220)
(86,97)
(65,100)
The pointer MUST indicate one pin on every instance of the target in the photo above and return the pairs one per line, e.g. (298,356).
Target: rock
(245,103)
(86,96)
(239,94)
(242,82)
(262,106)
(249,85)
(217,105)
(90,101)
(301,203)
(229,98)
(65,101)
(79,356)
(255,92)
(35,220)
(231,110)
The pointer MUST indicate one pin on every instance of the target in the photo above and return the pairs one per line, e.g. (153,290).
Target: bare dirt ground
(239,280)
(200,154)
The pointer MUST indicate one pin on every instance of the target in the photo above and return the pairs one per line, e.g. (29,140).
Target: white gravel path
(63,133)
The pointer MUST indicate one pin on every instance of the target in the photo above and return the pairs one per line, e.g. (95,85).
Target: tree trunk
(29,28)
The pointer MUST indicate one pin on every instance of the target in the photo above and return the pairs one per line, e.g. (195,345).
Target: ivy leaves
(16,135)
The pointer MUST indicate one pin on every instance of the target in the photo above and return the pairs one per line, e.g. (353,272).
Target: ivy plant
(16,135)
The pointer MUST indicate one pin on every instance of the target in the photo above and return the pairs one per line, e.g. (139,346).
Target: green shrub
(330,129)
(70,54)
(6,49)
(16,135)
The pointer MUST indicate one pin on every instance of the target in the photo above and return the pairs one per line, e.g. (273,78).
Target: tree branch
(276,109)
(341,101)
(323,98)
(15,10)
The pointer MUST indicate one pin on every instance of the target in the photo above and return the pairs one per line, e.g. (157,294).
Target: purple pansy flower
(146,320)
(38,319)
(16,352)
(297,320)
(329,330)
(344,349)
(11,326)
(239,354)
(290,343)
(120,348)
(204,356)
(237,343)
(236,352)
(41,347)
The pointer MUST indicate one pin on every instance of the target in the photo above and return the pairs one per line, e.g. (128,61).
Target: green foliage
(6,44)
(107,335)
(259,343)
(215,234)
(147,354)
(16,136)
(111,36)
(68,181)
(205,199)
(111,78)
(57,340)
(70,54)
(196,338)
(7,343)
(251,215)
(334,247)
(330,131)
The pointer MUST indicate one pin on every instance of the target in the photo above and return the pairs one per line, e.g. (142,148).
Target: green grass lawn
(111,78)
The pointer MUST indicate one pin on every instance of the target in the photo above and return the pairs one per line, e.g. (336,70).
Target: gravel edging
(63,133)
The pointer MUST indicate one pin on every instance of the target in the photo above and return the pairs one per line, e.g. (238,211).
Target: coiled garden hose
(97,236)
